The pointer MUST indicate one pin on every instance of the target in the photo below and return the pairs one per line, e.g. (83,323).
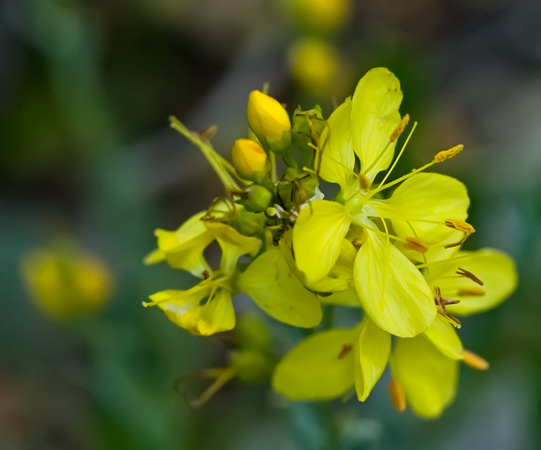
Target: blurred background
(89,168)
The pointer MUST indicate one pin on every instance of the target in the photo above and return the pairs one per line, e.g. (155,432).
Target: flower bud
(321,16)
(258,199)
(66,282)
(267,118)
(251,366)
(249,159)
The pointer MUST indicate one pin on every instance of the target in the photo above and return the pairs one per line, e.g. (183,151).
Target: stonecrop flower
(395,253)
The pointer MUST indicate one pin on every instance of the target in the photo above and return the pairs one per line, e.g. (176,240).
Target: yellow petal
(233,244)
(494,268)
(337,156)
(319,368)
(430,197)
(391,289)
(184,247)
(428,377)
(340,278)
(444,336)
(344,298)
(276,290)
(371,357)
(374,117)
(155,256)
(317,236)
(217,314)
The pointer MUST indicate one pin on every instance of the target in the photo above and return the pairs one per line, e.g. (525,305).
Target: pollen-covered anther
(475,361)
(400,128)
(398,396)
(345,350)
(416,244)
(471,291)
(466,273)
(460,225)
(364,182)
(444,155)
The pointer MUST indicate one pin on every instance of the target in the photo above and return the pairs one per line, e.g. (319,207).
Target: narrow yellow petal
(319,368)
(233,244)
(371,356)
(391,289)
(336,158)
(429,378)
(340,278)
(374,117)
(317,236)
(444,336)
(493,268)
(184,247)
(276,290)
(217,314)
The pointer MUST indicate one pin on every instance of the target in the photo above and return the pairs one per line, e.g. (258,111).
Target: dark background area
(86,88)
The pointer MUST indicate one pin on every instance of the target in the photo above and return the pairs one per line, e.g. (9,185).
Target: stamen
(468,274)
(414,243)
(345,350)
(475,361)
(364,182)
(223,378)
(472,291)
(460,225)
(400,128)
(398,396)
(448,154)
(442,303)
(206,274)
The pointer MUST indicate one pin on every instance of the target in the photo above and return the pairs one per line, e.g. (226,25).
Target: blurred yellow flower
(316,66)
(323,16)
(67,281)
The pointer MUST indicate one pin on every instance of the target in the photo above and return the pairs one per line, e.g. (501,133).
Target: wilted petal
(278,291)
(317,237)
(429,378)
(374,117)
(392,291)
(371,356)
(319,368)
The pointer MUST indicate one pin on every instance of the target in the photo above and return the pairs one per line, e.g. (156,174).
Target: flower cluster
(391,247)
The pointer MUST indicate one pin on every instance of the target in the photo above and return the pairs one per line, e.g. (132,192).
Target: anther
(441,303)
(208,133)
(475,361)
(460,225)
(448,154)
(472,291)
(206,274)
(364,182)
(400,128)
(345,350)
(398,396)
(465,273)
(414,243)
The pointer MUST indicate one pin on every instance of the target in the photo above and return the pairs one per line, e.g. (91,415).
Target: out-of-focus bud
(251,332)
(267,118)
(249,159)
(66,282)
(251,365)
(258,199)
(322,16)
(316,66)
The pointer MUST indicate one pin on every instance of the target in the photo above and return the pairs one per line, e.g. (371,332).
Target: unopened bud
(267,118)
(249,159)
(258,199)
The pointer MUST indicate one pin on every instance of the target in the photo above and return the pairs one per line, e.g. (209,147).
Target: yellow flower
(267,118)
(425,368)
(249,159)
(391,289)
(66,281)
(315,66)
(321,15)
